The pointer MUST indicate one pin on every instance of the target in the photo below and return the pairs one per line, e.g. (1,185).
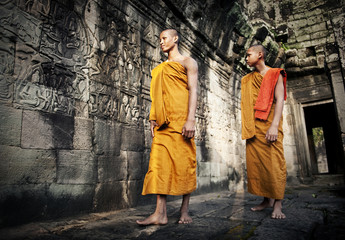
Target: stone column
(337,82)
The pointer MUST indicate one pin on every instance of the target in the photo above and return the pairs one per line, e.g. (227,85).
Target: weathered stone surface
(47,131)
(107,138)
(112,168)
(219,215)
(67,199)
(10,125)
(131,140)
(111,196)
(22,166)
(22,203)
(83,129)
(134,191)
(76,167)
(135,172)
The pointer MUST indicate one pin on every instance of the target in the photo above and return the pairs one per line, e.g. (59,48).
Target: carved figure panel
(33,96)
(64,38)
(6,68)
(38,8)
(25,27)
(129,109)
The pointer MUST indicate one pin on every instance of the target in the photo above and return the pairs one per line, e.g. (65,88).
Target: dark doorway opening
(324,140)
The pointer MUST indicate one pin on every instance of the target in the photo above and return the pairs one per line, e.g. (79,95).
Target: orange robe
(172,167)
(266,168)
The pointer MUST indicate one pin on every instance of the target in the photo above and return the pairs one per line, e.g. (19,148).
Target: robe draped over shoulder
(172,166)
(266,167)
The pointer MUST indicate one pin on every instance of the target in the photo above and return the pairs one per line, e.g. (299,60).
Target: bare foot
(185,218)
(267,202)
(156,218)
(277,210)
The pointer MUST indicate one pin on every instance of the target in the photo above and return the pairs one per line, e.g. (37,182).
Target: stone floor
(313,212)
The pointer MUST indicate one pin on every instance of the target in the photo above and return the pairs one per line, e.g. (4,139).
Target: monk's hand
(153,124)
(272,134)
(188,129)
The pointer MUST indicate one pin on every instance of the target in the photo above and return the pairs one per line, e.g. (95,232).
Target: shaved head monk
(263,92)
(172,167)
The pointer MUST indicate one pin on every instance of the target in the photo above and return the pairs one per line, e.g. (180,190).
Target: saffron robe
(266,167)
(172,166)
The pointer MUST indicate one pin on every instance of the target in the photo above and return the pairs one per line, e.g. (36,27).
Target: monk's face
(167,40)
(253,57)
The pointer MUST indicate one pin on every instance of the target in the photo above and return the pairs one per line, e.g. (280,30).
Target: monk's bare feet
(267,202)
(185,218)
(154,219)
(277,210)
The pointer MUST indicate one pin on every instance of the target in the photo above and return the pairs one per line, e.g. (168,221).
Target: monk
(263,93)
(172,166)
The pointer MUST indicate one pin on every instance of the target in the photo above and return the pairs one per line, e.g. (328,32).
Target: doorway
(325,146)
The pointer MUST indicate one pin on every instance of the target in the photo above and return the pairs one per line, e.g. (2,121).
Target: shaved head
(172,32)
(259,48)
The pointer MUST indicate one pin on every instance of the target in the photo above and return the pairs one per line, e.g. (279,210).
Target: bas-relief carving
(38,8)
(129,110)
(33,96)
(119,65)
(6,68)
(21,24)
(49,77)
(6,84)
(201,111)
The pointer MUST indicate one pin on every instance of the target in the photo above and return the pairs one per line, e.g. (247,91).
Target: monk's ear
(175,39)
(261,56)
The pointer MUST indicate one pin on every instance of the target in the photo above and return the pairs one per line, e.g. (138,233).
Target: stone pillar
(338,25)
(337,83)
(303,155)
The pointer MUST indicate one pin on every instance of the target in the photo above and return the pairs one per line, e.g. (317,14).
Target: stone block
(22,203)
(132,139)
(146,160)
(82,138)
(10,125)
(107,138)
(203,169)
(134,192)
(306,62)
(68,199)
(135,172)
(315,20)
(320,34)
(112,168)
(214,169)
(148,138)
(26,166)
(111,196)
(204,183)
(26,27)
(303,38)
(223,169)
(47,131)
(76,167)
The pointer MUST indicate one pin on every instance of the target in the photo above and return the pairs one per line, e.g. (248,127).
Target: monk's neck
(262,69)
(174,54)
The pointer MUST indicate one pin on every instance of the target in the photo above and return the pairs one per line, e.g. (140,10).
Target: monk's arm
(152,118)
(272,133)
(188,129)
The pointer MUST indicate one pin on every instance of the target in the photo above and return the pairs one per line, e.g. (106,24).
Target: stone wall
(74,98)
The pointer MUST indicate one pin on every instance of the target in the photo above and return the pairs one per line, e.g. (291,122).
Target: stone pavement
(312,213)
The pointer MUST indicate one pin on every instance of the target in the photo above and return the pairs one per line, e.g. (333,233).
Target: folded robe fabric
(266,167)
(172,166)
(262,102)
(266,94)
